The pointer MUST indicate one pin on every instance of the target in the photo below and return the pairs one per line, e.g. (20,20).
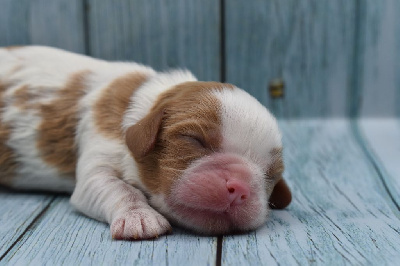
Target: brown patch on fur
(185,126)
(7,160)
(110,108)
(281,195)
(56,138)
(23,98)
(22,95)
(277,167)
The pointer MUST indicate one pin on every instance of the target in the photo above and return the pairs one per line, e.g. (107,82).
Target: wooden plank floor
(382,141)
(341,213)
(345,179)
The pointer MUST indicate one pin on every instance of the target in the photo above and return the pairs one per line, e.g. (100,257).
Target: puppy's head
(210,156)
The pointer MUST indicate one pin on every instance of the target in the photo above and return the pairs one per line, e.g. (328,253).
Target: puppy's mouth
(217,207)
(218,194)
(228,219)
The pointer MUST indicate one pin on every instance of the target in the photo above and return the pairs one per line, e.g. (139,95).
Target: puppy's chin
(218,194)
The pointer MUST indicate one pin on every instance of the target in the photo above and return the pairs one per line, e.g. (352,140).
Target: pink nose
(238,191)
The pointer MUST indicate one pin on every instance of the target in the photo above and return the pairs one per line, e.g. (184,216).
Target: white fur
(107,178)
(33,172)
(99,191)
(257,126)
(46,70)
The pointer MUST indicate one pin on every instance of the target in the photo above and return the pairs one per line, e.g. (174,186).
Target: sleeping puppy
(138,148)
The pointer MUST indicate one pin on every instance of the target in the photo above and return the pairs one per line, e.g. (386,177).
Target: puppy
(138,149)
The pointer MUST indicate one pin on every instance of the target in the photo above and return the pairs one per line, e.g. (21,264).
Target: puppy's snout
(219,185)
(238,191)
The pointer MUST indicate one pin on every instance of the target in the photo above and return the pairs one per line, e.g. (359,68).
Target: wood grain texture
(381,138)
(17,211)
(14,23)
(309,44)
(162,34)
(63,236)
(58,23)
(379,58)
(341,213)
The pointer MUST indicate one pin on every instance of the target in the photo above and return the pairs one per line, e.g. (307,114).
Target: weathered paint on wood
(381,138)
(379,58)
(162,34)
(63,236)
(309,44)
(17,212)
(330,54)
(341,213)
(14,22)
(336,58)
(58,23)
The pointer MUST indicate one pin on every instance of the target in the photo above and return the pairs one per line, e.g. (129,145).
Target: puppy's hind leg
(105,197)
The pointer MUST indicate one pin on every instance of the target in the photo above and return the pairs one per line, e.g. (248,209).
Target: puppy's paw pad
(139,224)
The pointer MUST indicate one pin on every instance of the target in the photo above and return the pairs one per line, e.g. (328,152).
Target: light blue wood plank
(14,22)
(58,23)
(63,236)
(382,140)
(340,214)
(309,44)
(379,55)
(162,34)
(17,211)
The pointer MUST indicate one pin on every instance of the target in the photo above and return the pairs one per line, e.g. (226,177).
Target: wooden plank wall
(308,44)
(56,23)
(336,58)
(379,58)
(162,34)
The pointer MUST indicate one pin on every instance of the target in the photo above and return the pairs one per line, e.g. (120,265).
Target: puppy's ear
(142,137)
(280,196)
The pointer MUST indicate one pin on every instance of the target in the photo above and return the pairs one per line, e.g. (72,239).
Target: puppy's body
(122,137)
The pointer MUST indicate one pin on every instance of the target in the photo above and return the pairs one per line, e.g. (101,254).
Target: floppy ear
(141,137)
(280,196)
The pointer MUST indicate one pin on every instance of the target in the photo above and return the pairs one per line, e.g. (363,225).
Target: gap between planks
(85,19)
(34,221)
(368,153)
(355,131)
(222,42)
(220,240)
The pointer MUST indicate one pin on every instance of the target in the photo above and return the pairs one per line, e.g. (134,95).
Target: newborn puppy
(138,148)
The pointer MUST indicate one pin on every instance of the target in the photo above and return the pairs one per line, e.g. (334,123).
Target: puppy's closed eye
(194,140)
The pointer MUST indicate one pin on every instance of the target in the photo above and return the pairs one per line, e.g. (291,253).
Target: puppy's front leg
(105,197)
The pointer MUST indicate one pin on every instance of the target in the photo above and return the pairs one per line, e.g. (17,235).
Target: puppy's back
(44,93)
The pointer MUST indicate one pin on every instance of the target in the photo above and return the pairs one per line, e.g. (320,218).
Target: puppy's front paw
(143,223)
